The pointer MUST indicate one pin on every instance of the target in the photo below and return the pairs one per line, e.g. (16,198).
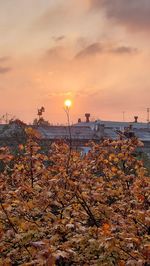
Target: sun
(68,103)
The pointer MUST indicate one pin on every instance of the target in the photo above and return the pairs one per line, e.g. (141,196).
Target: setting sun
(68,103)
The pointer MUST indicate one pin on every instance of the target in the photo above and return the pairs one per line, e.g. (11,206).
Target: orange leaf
(121,263)
(106,228)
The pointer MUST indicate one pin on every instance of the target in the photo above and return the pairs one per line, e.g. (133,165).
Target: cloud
(59,94)
(58,16)
(90,50)
(54,51)
(56,54)
(134,14)
(53,15)
(4,58)
(98,48)
(124,50)
(4,70)
(59,38)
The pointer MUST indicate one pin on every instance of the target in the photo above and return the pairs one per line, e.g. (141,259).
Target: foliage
(15,130)
(17,122)
(64,209)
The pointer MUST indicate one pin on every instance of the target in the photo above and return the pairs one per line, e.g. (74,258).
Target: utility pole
(148,110)
(123,116)
(148,118)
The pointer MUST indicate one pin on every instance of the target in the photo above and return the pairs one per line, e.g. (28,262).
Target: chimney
(136,119)
(87,115)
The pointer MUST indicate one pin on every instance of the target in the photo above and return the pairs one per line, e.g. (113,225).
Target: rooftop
(114,124)
(82,131)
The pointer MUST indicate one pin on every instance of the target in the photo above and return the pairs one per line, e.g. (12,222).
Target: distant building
(111,129)
(83,132)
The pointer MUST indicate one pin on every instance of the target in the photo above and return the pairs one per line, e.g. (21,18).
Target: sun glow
(68,103)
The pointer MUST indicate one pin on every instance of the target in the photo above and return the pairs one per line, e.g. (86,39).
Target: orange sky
(95,52)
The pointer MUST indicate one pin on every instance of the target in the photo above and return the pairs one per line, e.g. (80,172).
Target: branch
(87,209)
(14,229)
(10,222)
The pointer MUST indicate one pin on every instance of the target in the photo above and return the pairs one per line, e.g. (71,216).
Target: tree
(41,122)
(93,210)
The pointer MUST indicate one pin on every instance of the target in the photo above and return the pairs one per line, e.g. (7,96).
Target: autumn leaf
(106,228)
(121,263)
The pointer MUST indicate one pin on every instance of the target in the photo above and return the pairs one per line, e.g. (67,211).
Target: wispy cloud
(59,94)
(98,48)
(92,49)
(4,70)
(4,59)
(124,50)
(59,38)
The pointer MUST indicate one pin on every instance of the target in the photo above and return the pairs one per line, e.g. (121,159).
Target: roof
(81,131)
(113,124)
(143,135)
(141,130)
(62,132)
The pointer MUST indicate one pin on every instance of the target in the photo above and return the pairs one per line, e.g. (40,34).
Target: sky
(94,52)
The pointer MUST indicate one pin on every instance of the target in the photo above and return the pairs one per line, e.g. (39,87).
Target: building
(82,132)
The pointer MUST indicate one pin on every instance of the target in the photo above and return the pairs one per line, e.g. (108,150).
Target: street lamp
(68,104)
